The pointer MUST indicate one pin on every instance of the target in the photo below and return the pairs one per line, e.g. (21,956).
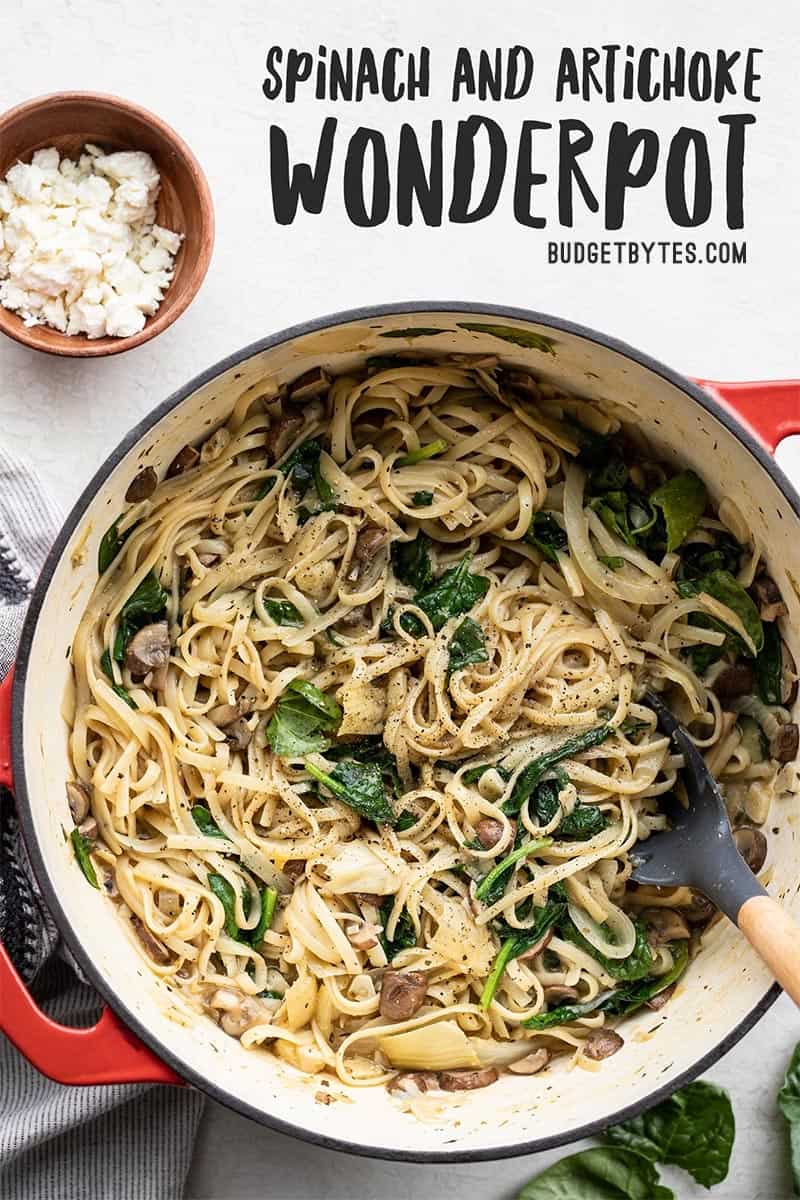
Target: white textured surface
(200,66)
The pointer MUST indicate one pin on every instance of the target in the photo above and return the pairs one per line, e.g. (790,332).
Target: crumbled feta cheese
(79,249)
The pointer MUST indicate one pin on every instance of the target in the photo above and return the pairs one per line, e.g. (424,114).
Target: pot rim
(106,991)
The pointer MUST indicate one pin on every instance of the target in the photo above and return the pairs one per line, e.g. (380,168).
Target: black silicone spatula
(699,851)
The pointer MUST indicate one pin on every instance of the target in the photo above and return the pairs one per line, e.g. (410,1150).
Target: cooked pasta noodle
(360,718)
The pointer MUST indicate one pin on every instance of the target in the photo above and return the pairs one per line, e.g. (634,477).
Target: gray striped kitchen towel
(60,1143)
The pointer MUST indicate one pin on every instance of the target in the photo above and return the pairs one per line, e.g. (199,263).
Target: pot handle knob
(770,410)
(104,1053)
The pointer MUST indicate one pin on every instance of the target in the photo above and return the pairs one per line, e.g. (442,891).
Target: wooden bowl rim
(79,345)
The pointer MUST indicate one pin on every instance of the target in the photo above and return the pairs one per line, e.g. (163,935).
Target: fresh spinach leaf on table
(602,1173)
(789,1104)
(693,1129)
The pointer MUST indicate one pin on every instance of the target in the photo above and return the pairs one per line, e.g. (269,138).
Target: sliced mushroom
(238,734)
(368,898)
(489,832)
(279,435)
(294,869)
(752,845)
(734,681)
(368,543)
(466,1080)
(783,744)
(110,886)
(362,935)
(88,829)
(602,1043)
(664,925)
(157,680)
(537,948)
(184,460)
(560,994)
(768,597)
(531,1064)
(700,911)
(155,949)
(224,714)
(207,560)
(142,486)
(238,1020)
(410,1083)
(661,998)
(309,384)
(520,381)
(148,649)
(79,798)
(402,994)
(354,616)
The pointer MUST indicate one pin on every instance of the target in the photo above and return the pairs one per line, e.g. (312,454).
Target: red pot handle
(770,410)
(106,1052)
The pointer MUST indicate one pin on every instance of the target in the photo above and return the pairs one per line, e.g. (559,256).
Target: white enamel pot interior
(726,989)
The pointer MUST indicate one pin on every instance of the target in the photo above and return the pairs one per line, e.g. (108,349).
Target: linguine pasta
(360,742)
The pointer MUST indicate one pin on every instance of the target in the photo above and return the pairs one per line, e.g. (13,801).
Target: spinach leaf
(359,785)
(545,533)
(700,558)
(301,463)
(584,822)
(509,333)
(593,448)
(487,886)
(789,1104)
(475,773)
(637,965)
(423,453)
(82,849)
(406,820)
(630,996)
(531,775)
(414,331)
(405,935)
(302,716)
(769,666)
(455,592)
(614,562)
(682,500)
(422,499)
(370,749)
(723,587)
(117,688)
(269,898)
(609,475)
(517,941)
(206,823)
(111,543)
(411,562)
(628,514)
(693,1129)
(283,612)
(467,645)
(603,1173)
(565,1014)
(147,603)
(227,897)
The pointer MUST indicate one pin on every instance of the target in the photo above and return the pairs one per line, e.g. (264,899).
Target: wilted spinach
(82,848)
(722,586)
(682,501)
(467,645)
(411,562)
(146,604)
(769,666)
(531,775)
(359,785)
(545,533)
(405,935)
(302,717)
(283,612)
(424,452)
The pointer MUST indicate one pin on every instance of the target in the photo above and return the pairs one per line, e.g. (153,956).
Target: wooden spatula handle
(775,936)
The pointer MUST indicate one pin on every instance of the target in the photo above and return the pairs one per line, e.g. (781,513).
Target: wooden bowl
(67,120)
